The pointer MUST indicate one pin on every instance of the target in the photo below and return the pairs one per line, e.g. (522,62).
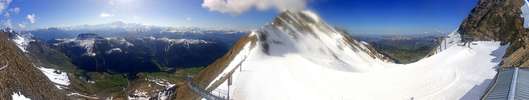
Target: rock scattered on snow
(58,77)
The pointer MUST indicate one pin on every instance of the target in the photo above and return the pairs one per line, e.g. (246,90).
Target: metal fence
(510,84)
(216,94)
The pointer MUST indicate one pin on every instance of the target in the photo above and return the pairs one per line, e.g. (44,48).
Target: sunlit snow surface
(56,76)
(18,96)
(458,72)
(291,72)
(87,44)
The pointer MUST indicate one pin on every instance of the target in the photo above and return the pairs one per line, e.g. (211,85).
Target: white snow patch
(56,76)
(183,41)
(81,95)
(122,41)
(163,83)
(525,14)
(139,95)
(19,96)
(87,44)
(22,42)
(127,43)
(114,50)
(163,94)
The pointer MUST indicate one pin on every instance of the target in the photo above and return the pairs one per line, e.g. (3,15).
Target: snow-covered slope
(56,76)
(300,57)
(306,35)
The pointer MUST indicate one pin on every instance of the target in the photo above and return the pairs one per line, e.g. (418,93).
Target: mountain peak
(299,16)
(306,34)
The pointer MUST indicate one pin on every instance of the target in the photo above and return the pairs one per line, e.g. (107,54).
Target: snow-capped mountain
(142,54)
(21,39)
(299,56)
(121,29)
(306,34)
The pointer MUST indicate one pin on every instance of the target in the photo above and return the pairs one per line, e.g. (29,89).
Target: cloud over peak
(237,7)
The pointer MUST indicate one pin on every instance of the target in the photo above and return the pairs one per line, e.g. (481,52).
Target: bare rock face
(500,20)
(520,57)
(494,20)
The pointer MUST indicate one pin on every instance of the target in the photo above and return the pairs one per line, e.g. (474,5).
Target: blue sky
(356,16)
(395,16)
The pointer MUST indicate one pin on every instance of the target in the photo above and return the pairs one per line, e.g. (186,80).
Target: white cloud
(10,11)
(112,2)
(105,15)
(15,10)
(188,19)
(22,26)
(32,18)
(136,18)
(7,23)
(239,6)
(4,4)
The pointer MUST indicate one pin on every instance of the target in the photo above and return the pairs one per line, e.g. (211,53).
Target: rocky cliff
(500,20)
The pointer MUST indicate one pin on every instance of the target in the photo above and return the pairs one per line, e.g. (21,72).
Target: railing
(203,93)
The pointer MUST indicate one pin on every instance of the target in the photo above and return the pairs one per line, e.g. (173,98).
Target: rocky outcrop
(20,76)
(500,20)
(494,20)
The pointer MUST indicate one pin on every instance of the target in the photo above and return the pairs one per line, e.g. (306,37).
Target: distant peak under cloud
(237,7)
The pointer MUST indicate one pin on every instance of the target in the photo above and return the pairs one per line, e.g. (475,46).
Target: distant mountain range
(132,55)
(117,29)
